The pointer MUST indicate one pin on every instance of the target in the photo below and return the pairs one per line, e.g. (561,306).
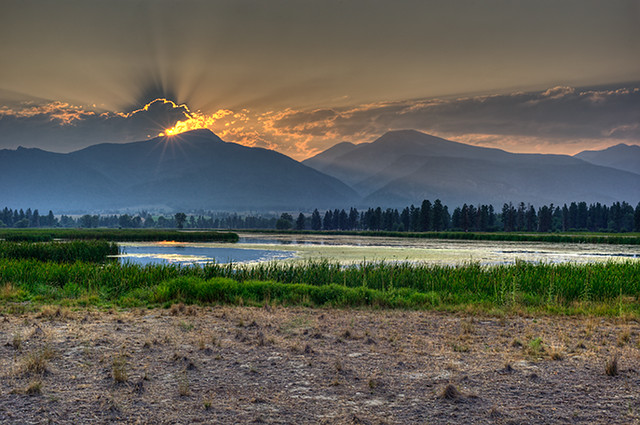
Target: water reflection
(195,253)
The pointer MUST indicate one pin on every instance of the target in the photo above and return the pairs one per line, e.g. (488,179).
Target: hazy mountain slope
(192,170)
(459,180)
(33,178)
(622,157)
(404,167)
(361,164)
(327,157)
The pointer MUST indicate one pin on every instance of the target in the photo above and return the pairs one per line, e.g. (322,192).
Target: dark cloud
(555,116)
(62,127)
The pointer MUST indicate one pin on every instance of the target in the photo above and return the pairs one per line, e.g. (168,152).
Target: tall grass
(616,286)
(89,251)
(116,235)
(566,282)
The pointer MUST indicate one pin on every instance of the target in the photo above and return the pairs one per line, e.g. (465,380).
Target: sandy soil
(297,366)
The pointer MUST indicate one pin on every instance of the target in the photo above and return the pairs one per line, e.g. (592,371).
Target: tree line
(428,216)
(577,216)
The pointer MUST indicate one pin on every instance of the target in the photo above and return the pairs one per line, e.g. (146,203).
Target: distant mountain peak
(621,156)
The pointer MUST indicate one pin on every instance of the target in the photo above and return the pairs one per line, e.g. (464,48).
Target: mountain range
(194,170)
(198,170)
(404,167)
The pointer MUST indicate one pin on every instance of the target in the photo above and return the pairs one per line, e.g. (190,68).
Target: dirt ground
(233,365)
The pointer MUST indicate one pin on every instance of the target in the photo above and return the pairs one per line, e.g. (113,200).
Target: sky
(299,76)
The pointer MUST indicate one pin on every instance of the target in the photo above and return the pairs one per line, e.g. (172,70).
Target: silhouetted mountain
(191,170)
(404,167)
(622,157)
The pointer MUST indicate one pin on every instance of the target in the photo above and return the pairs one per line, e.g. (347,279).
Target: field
(276,365)
(315,341)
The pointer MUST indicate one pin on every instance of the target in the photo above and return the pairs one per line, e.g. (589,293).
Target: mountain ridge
(192,170)
(621,156)
(390,171)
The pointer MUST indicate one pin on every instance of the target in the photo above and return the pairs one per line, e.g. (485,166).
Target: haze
(298,77)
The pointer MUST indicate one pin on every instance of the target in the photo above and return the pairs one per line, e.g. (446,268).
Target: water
(196,253)
(255,248)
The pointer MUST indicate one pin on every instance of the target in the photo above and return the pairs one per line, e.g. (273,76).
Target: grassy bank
(602,289)
(594,238)
(116,235)
(88,251)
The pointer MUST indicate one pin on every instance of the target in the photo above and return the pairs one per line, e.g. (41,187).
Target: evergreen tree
(456,219)
(300,222)
(327,222)
(405,219)
(51,219)
(35,219)
(316,221)
(438,216)
(531,219)
(180,218)
(285,222)
(415,219)
(353,218)
(544,219)
(425,216)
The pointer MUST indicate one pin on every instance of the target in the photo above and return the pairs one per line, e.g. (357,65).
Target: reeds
(116,235)
(602,288)
(89,251)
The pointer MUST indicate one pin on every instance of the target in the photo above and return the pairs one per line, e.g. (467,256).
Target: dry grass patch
(34,388)
(17,340)
(611,367)
(450,392)
(119,369)
(36,362)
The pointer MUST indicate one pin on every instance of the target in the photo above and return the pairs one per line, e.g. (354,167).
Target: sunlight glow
(170,243)
(196,121)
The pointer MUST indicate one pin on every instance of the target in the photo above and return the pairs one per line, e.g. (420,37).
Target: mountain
(326,158)
(36,178)
(193,170)
(622,157)
(404,167)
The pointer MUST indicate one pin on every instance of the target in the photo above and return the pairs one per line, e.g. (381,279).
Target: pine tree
(300,222)
(316,221)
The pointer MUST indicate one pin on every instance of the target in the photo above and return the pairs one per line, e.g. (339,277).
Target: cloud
(62,127)
(559,119)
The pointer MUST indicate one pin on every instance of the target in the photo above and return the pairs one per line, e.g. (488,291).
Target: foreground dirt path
(295,366)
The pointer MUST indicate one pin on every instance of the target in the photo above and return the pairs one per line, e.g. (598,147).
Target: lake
(256,248)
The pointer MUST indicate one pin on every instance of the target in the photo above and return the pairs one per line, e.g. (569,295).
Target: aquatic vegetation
(573,237)
(116,235)
(90,251)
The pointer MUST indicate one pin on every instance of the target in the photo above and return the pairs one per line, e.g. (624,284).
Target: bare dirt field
(233,365)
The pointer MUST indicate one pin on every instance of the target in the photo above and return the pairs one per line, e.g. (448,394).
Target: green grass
(573,237)
(611,289)
(116,235)
(90,251)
